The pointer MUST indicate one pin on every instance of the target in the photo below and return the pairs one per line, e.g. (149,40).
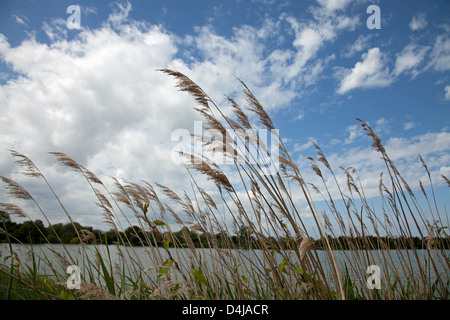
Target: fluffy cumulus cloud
(371,72)
(99,99)
(81,96)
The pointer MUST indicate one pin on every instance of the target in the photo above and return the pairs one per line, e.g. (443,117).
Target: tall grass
(274,258)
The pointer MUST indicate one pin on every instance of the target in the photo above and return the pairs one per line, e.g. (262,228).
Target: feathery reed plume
(321,157)
(13,210)
(306,246)
(186,84)
(169,193)
(257,108)
(91,291)
(240,114)
(446,179)
(65,160)
(87,235)
(30,168)
(16,190)
(91,176)
(376,140)
(213,172)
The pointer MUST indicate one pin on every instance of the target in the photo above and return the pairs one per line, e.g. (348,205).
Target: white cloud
(99,99)
(409,125)
(359,45)
(382,126)
(410,58)
(20,19)
(311,36)
(300,116)
(404,152)
(354,131)
(334,5)
(418,22)
(371,72)
(447,92)
(302,147)
(440,55)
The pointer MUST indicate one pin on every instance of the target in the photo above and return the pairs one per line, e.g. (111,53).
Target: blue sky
(94,94)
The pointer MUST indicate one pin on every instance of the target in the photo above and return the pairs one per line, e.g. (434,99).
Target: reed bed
(254,241)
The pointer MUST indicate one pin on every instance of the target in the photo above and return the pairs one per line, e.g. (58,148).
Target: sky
(89,86)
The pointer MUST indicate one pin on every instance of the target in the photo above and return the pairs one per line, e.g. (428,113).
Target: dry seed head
(13,209)
(234,125)
(186,84)
(208,199)
(87,235)
(197,227)
(30,168)
(376,140)
(321,157)
(169,193)
(315,168)
(165,291)
(216,175)
(16,190)
(65,160)
(242,117)
(104,202)
(306,246)
(174,215)
(91,176)
(424,164)
(91,291)
(121,195)
(446,179)
(314,188)
(257,108)
(327,221)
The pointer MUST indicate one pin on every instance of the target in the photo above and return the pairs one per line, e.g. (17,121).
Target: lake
(136,259)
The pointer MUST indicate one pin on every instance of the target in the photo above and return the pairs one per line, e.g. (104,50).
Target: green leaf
(145,208)
(298,270)
(159,223)
(66,295)
(109,278)
(166,243)
(200,277)
(282,266)
(165,267)
(47,284)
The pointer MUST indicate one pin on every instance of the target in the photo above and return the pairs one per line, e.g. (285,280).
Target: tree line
(36,232)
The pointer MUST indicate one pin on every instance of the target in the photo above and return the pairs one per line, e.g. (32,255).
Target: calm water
(148,258)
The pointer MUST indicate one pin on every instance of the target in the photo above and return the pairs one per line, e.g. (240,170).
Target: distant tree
(135,235)
(6,224)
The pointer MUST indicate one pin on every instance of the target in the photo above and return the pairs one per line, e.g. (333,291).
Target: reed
(245,240)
